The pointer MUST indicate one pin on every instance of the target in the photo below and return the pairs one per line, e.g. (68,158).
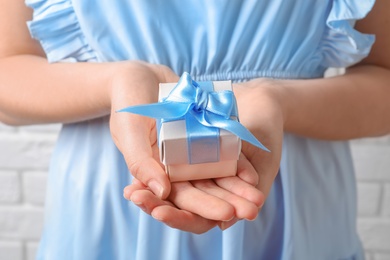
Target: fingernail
(227,224)
(126,194)
(156,217)
(222,226)
(140,205)
(262,204)
(156,188)
(251,219)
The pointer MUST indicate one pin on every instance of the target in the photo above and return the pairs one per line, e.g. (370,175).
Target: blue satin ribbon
(203,141)
(205,112)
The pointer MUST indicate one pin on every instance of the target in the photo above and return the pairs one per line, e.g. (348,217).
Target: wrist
(281,94)
(136,82)
(276,93)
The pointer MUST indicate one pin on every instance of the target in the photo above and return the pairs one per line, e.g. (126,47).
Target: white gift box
(173,145)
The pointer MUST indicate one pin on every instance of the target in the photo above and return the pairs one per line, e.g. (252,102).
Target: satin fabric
(311,210)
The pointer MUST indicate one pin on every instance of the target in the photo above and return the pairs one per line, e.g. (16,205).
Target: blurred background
(25,155)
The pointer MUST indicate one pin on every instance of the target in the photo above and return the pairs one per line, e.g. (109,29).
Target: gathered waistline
(240,76)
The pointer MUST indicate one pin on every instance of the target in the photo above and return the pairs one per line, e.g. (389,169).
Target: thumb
(136,138)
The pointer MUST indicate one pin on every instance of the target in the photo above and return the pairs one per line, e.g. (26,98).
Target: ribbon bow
(209,108)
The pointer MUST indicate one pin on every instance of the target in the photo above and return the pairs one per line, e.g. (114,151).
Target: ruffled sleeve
(342,44)
(56,27)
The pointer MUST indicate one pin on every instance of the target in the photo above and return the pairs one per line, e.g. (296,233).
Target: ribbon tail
(167,110)
(232,126)
(239,130)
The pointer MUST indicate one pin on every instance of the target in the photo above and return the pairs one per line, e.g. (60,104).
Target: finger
(223,225)
(246,171)
(242,189)
(140,159)
(187,197)
(167,213)
(243,208)
(135,144)
(182,219)
(147,201)
(266,165)
(135,185)
(137,182)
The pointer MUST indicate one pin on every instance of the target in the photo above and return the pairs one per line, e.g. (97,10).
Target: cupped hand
(198,206)
(262,113)
(135,136)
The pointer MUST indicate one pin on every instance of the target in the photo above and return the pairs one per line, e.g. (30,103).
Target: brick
(49,128)
(375,233)
(386,201)
(382,256)
(372,162)
(21,223)
(20,152)
(368,255)
(34,187)
(382,140)
(369,195)
(11,250)
(31,250)
(9,187)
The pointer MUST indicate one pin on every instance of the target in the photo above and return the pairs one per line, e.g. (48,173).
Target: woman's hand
(262,112)
(198,206)
(135,136)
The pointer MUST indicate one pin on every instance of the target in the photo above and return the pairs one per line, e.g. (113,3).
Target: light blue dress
(311,210)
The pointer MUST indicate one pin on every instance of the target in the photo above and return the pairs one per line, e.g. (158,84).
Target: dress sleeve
(56,27)
(342,45)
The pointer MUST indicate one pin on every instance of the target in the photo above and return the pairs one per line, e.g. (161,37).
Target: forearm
(353,105)
(34,91)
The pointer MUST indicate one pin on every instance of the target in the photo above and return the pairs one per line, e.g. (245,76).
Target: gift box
(211,153)
(199,134)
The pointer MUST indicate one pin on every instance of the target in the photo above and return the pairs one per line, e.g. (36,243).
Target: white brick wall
(10,190)
(372,163)
(24,158)
(11,250)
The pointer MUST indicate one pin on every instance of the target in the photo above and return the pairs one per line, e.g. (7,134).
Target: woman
(107,55)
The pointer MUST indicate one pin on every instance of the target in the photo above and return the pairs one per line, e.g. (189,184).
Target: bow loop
(184,91)
(222,104)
